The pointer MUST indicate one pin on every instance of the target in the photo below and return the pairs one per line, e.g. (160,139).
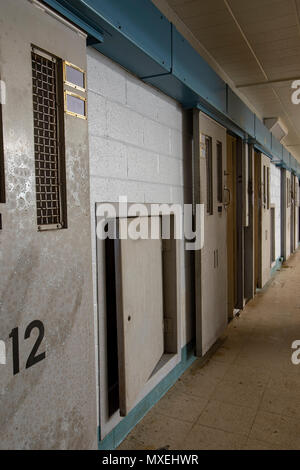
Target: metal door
(211,262)
(286,213)
(139,312)
(265,236)
(231,224)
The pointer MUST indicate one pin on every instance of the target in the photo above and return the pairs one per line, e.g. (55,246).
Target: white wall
(138,143)
(275,195)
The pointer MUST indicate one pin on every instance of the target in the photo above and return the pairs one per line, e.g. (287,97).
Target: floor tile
(156,431)
(247,395)
(238,393)
(206,438)
(227,417)
(180,405)
(276,429)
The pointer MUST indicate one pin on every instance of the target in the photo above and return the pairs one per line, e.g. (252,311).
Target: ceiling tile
(272,29)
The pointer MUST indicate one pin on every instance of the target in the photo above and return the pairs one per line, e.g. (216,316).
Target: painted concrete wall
(275,198)
(141,147)
(44,276)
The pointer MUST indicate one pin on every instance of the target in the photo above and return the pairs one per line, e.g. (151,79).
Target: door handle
(226,204)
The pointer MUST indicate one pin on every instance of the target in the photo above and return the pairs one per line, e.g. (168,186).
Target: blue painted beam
(193,71)
(293,165)
(239,113)
(286,159)
(136,35)
(134,32)
(277,148)
(191,80)
(262,135)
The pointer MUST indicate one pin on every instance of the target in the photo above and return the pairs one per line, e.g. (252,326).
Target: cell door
(292,214)
(286,213)
(265,222)
(296,198)
(139,288)
(257,219)
(211,261)
(231,223)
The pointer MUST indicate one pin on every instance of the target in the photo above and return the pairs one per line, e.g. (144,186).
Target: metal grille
(47,171)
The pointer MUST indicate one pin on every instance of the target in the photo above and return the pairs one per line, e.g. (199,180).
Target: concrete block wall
(275,198)
(140,146)
(136,137)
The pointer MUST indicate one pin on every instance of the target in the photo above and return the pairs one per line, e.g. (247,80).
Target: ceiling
(250,44)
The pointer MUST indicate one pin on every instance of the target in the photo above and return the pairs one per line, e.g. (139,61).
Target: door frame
(198,199)
(231,187)
(242,217)
(257,218)
(240,222)
(249,233)
(108,423)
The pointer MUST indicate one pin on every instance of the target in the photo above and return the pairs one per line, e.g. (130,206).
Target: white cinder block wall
(275,197)
(138,148)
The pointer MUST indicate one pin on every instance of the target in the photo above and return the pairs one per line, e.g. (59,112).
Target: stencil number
(33,357)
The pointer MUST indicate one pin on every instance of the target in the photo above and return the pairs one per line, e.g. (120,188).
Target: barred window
(48,118)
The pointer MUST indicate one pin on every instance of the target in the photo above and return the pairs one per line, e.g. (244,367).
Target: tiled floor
(247,396)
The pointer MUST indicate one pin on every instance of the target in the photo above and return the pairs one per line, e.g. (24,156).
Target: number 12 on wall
(33,357)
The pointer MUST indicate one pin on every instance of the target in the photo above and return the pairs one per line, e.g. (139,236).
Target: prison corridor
(247,394)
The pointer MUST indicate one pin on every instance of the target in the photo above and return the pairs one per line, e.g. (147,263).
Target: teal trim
(273,270)
(278,265)
(118,434)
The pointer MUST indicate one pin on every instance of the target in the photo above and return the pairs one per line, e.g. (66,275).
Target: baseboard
(118,434)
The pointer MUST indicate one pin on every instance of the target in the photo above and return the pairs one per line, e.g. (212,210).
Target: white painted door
(211,263)
(139,313)
(288,212)
(265,267)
